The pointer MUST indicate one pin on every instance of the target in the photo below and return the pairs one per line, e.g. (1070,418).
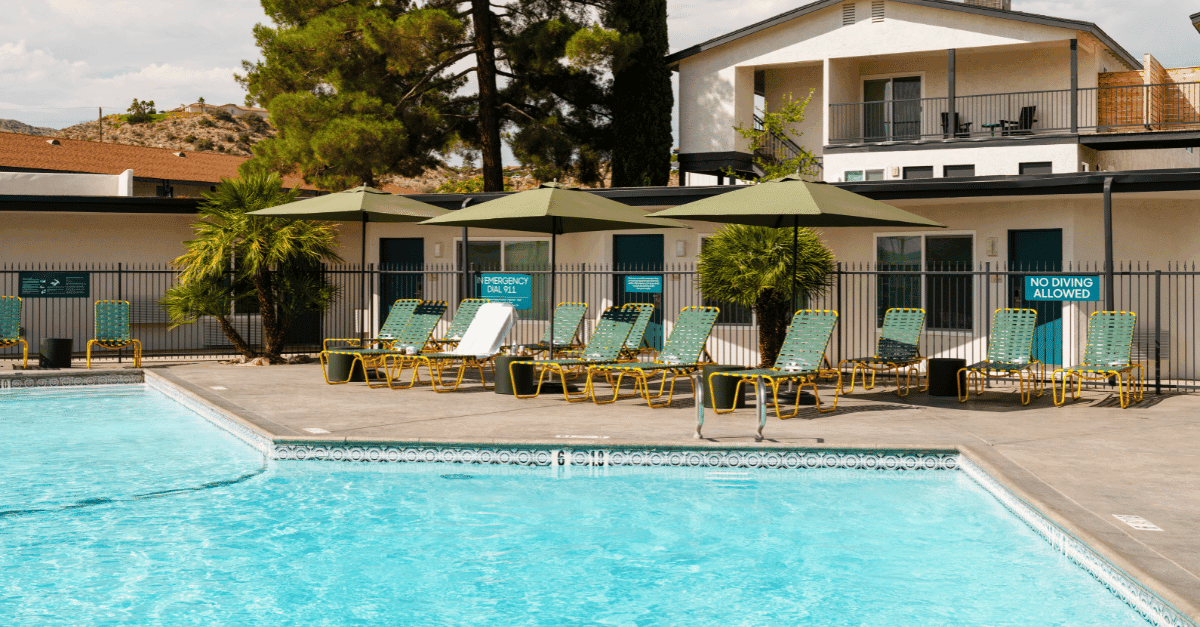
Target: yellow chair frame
(13,341)
(116,344)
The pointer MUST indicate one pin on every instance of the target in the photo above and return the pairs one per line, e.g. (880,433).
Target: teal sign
(507,288)
(1068,288)
(645,284)
(54,284)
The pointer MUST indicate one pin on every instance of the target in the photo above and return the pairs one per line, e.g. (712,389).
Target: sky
(61,59)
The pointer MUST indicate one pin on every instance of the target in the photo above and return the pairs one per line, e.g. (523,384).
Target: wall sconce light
(437,249)
(680,248)
(993,247)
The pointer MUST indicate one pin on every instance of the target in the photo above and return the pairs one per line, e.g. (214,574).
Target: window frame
(904,172)
(1021,168)
(865,172)
(924,235)
(945,168)
(455,241)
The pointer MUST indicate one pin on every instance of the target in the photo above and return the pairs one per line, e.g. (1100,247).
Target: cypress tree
(642,99)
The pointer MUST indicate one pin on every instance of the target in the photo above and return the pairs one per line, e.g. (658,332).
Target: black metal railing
(1133,108)
(778,148)
(959,300)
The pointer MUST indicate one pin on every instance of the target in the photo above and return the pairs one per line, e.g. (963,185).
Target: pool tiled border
(1125,587)
(42,380)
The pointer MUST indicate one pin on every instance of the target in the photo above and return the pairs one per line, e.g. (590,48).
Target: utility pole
(100,123)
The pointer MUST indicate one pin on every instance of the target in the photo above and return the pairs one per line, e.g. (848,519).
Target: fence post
(120,296)
(840,327)
(1158,332)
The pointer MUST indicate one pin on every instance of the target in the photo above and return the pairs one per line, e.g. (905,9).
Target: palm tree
(235,257)
(751,266)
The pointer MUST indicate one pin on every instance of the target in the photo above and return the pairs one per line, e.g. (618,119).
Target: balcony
(1086,111)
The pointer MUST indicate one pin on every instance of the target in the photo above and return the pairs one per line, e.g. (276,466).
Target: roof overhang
(101,204)
(674,58)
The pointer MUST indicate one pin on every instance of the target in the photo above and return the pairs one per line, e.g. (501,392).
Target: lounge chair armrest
(353,342)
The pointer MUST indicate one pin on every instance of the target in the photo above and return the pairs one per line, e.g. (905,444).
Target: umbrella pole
(795,252)
(553,260)
(362,267)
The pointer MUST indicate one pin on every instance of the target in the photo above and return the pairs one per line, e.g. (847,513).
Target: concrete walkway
(1079,464)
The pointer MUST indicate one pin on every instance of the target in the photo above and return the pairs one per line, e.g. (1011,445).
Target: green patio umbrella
(795,202)
(555,209)
(361,204)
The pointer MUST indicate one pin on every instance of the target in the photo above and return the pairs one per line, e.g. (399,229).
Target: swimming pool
(134,511)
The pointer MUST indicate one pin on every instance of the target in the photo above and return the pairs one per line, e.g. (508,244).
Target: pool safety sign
(1069,288)
(644,284)
(507,288)
(54,284)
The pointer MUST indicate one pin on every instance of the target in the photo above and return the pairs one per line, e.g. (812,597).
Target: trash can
(55,352)
(524,376)
(944,379)
(723,387)
(337,368)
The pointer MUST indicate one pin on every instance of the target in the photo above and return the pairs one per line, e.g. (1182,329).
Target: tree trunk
(772,310)
(270,322)
(236,339)
(489,113)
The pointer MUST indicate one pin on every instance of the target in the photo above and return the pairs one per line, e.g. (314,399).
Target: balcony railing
(1124,109)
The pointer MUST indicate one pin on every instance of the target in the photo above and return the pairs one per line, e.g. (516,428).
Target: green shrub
(222,115)
(140,112)
(191,139)
(206,122)
(204,143)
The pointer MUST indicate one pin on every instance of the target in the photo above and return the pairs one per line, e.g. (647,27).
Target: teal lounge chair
(567,317)
(10,326)
(603,347)
(801,359)
(637,337)
(1010,351)
(112,330)
(680,357)
(398,317)
(414,336)
(462,321)
(899,349)
(1107,355)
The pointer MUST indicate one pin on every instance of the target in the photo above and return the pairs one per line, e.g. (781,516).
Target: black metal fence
(959,300)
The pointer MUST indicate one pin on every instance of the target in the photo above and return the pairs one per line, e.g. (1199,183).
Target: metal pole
(951,112)
(760,391)
(1075,86)
(1109,297)
(121,352)
(699,384)
(363,278)
(1157,332)
(555,224)
(466,290)
(795,255)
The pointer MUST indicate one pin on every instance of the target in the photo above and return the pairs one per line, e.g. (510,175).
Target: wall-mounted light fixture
(680,248)
(437,249)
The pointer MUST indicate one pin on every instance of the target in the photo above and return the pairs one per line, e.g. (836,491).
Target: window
(947,299)
(853,176)
(1036,167)
(953,171)
(731,313)
(877,11)
(514,256)
(919,172)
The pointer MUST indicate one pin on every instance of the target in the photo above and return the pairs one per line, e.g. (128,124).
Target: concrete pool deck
(1079,464)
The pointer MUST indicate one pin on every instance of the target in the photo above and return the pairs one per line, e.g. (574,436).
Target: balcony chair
(960,129)
(1023,125)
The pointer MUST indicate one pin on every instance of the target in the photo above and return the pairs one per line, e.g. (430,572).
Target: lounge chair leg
(760,399)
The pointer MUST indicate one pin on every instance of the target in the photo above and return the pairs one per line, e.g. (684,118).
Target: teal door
(640,255)
(400,255)
(1038,251)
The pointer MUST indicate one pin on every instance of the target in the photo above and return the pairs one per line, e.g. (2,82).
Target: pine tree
(642,99)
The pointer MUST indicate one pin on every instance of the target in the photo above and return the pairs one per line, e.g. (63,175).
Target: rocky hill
(202,132)
(15,126)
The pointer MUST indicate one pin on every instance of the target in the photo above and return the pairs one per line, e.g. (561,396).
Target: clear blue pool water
(122,508)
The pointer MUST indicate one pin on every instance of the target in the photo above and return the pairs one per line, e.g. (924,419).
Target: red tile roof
(34,152)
